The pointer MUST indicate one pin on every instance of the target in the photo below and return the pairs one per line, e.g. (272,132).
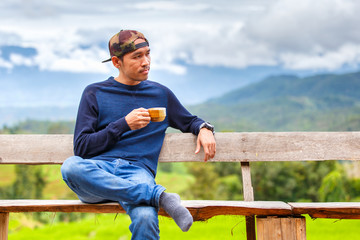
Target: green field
(112,227)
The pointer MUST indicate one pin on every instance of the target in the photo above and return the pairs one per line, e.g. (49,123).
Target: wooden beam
(249,197)
(4,225)
(246,180)
(200,209)
(336,210)
(179,147)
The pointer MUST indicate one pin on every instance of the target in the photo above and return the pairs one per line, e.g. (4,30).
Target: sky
(71,36)
(50,50)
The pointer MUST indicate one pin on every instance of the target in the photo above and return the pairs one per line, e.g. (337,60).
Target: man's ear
(116,61)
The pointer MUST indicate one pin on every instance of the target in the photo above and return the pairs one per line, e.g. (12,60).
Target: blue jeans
(96,181)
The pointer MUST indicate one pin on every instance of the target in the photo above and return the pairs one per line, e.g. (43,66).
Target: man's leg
(144,218)
(144,221)
(98,181)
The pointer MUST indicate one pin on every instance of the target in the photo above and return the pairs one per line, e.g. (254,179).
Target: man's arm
(183,120)
(207,141)
(90,141)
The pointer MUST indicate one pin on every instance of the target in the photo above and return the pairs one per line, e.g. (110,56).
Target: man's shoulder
(93,87)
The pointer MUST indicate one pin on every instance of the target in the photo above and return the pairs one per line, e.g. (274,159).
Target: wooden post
(248,196)
(281,228)
(4,225)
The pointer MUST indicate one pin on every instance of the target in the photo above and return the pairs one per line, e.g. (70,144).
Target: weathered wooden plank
(248,193)
(300,228)
(201,210)
(281,228)
(35,149)
(180,147)
(246,180)
(288,228)
(337,210)
(272,146)
(205,209)
(30,205)
(4,225)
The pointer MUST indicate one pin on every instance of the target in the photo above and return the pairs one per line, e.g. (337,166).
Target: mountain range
(327,102)
(323,102)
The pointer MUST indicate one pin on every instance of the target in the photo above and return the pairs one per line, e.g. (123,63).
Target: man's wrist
(208,126)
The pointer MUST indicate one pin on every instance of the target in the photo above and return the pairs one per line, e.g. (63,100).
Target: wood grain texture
(35,149)
(281,228)
(248,196)
(200,209)
(4,224)
(336,210)
(180,147)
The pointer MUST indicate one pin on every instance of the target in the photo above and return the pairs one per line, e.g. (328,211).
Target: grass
(112,227)
(332,229)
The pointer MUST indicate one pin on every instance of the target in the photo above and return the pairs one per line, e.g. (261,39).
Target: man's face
(135,65)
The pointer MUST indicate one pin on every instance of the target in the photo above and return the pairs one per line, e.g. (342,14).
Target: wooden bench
(274,218)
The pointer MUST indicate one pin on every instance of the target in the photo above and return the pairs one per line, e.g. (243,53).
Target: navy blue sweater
(102,133)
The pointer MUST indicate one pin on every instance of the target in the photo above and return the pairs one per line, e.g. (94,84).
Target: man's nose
(145,61)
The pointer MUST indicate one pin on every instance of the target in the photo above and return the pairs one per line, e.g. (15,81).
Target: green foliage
(272,181)
(229,188)
(278,181)
(289,181)
(165,167)
(29,183)
(40,127)
(334,187)
(206,180)
(354,185)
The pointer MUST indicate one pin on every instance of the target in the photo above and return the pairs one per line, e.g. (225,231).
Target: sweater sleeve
(90,141)
(180,118)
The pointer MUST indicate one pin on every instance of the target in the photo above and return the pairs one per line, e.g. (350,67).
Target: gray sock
(171,203)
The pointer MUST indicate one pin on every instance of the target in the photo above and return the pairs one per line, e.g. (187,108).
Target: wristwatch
(207,125)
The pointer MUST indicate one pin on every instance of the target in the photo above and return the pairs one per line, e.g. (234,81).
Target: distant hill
(288,103)
(327,102)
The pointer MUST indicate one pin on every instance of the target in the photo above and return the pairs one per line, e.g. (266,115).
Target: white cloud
(20,60)
(348,54)
(6,64)
(310,34)
(295,34)
(70,57)
(169,6)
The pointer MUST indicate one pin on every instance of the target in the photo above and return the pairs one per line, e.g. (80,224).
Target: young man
(117,147)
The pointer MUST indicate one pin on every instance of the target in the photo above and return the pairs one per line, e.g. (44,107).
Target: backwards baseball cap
(123,42)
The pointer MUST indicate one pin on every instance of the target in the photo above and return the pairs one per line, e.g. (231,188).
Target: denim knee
(69,168)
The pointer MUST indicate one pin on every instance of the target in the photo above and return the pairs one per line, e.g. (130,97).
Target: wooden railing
(231,147)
